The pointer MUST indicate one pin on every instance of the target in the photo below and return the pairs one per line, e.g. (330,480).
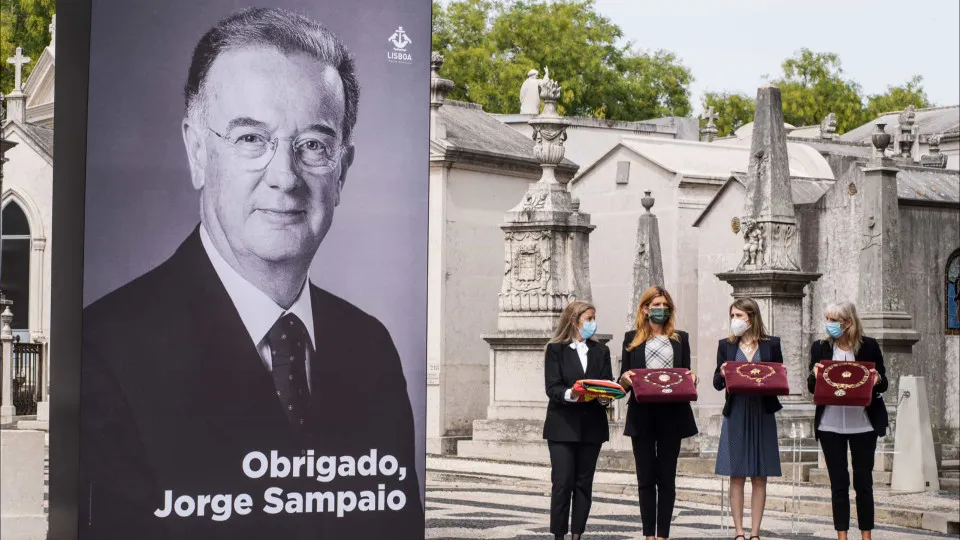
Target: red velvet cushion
(844,383)
(663,385)
(756,379)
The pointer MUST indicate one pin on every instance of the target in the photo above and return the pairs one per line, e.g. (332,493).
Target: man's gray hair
(285,31)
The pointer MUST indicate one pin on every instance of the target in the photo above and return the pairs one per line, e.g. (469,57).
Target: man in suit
(223,395)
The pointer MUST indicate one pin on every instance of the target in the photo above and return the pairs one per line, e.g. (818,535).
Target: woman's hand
(575,395)
(816,369)
(723,370)
(876,376)
(693,376)
(626,380)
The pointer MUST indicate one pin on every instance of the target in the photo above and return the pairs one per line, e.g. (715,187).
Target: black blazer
(674,420)
(869,352)
(174,395)
(575,422)
(727,352)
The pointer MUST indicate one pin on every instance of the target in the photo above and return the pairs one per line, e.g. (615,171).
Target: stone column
(439,438)
(769,271)
(7,410)
(880,298)
(546,266)
(546,254)
(648,262)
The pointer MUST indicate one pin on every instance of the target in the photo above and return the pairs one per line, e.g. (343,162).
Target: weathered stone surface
(648,262)
(769,271)
(915,463)
(768,191)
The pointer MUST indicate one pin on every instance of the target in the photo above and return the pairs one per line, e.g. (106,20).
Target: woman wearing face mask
(656,429)
(574,429)
(748,435)
(858,428)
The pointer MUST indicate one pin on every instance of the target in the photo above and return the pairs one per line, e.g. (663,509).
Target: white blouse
(581,348)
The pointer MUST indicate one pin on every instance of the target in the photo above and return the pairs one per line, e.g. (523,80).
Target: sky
(730,45)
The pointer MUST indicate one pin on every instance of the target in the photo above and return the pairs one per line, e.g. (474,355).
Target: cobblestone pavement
(464,510)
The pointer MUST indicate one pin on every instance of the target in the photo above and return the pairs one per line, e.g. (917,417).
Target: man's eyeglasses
(315,152)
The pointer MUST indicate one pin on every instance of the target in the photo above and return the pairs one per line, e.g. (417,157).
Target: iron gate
(27,377)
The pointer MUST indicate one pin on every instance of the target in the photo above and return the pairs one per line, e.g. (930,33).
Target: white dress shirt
(257,310)
(581,348)
(842,419)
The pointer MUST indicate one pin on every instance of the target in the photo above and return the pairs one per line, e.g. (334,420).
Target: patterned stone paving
(462,511)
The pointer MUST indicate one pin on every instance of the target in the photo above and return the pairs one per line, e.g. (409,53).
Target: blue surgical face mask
(833,328)
(588,330)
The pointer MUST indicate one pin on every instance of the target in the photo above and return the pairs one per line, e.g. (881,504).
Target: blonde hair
(642,324)
(568,326)
(757,330)
(846,312)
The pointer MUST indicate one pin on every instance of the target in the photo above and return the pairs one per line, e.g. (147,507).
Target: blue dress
(748,437)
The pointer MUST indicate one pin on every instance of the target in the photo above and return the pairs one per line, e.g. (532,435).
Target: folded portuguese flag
(595,388)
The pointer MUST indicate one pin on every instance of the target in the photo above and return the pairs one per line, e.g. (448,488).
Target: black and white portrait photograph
(255,251)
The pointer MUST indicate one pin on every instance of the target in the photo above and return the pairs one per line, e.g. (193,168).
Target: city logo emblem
(400,41)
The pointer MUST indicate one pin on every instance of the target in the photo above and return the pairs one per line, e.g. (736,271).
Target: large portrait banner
(254,270)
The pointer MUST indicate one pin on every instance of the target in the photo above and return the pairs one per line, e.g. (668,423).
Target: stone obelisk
(769,271)
(648,261)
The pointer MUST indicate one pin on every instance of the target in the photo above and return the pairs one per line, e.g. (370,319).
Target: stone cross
(53,32)
(18,60)
(710,130)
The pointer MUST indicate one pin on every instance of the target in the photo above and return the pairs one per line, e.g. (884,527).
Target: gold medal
(841,388)
(756,373)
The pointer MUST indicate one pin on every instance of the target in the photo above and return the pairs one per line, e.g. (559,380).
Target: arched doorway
(15,266)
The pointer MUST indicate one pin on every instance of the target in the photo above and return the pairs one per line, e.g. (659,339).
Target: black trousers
(572,467)
(862,448)
(656,461)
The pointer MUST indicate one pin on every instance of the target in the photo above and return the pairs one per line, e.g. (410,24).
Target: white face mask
(739,326)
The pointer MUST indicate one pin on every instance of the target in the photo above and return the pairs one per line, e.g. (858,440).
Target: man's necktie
(288,339)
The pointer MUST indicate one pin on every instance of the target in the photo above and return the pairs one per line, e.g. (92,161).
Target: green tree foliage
(813,85)
(898,98)
(490,45)
(733,110)
(23,23)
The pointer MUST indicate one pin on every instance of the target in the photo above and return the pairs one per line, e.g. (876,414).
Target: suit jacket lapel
(641,354)
(732,351)
(223,351)
(766,353)
(572,359)
(675,343)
